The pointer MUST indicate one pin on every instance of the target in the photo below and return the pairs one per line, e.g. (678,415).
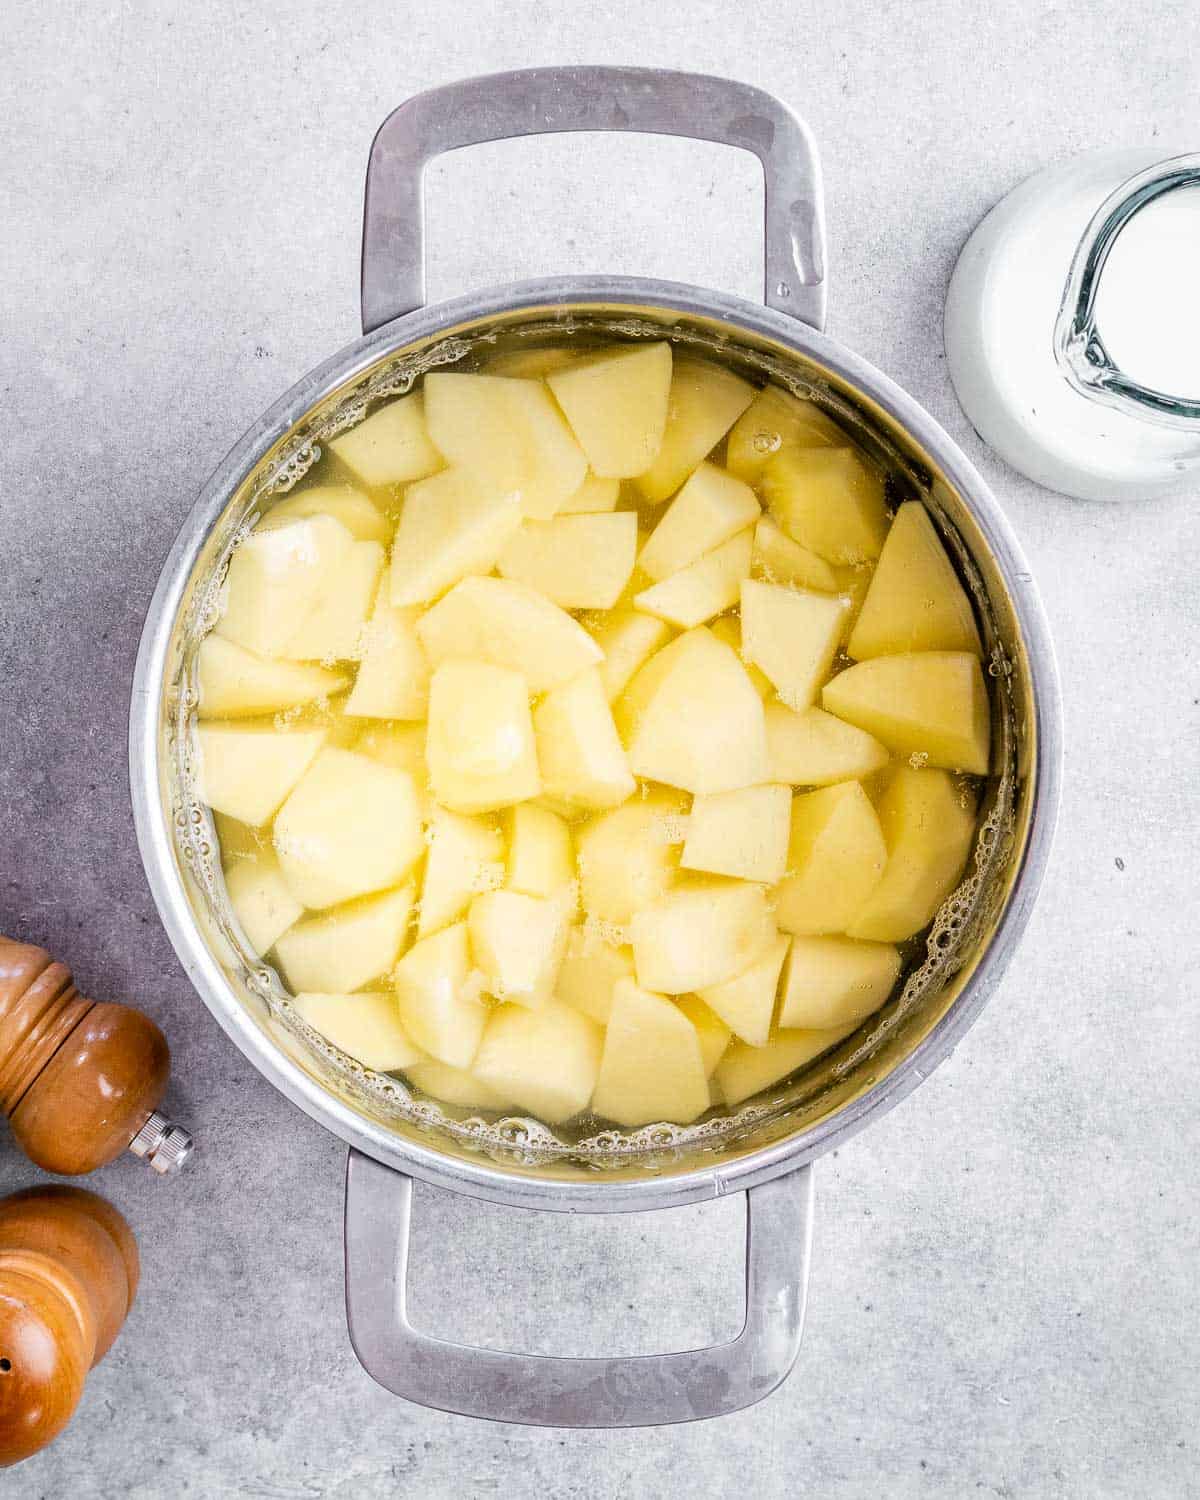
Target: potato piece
(711,1032)
(509,433)
(710,508)
(627,638)
(334,629)
(578,562)
(699,934)
(341,950)
(510,625)
(932,703)
(774,422)
(247,771)
(541,861)
(531,364)
(777,559)
(391,446)
(929,826)
(580,755)
(545,1060)
(691,718)
(728,628)
(742,833)
(746,1003)
(834,981)
(234,683)
(792,635)
(451,526)
(915,601)
(261,899)
(393,676)
(518,943)
(744,1070)
(593,496)
(349,826)
(366,1026)
(590,970)
(438,997)
(652,1068)
(835,860)
(277,578)
(456,1086)
(616,404)
(705,401)
(480,746)
(401,746)
(815,749)
(464,860)
(357,512)
(829,501)
(628,857)
(704,589)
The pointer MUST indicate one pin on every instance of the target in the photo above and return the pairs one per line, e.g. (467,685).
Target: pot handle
(540,101)
(543,1391)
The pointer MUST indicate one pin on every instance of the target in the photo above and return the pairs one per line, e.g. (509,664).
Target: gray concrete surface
(1004,1293)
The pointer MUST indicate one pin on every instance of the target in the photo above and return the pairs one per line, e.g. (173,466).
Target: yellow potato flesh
(627,858)
(710,508)
(343,949)
(835,860)
(652,1066)
(367,1026)
(546,1061)
(233,683)
(814,748)
(774,421)
(616,404)
(577,561)
(391,446)
(705,401)
(745,1070)
(743,833)
(701,933)
(480,747)
(829,500)
(835,981)
(439,1005)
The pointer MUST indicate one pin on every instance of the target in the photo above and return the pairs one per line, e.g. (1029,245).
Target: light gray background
(1004,1292)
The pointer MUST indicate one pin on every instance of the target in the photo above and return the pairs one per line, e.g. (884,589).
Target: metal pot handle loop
(539,101)
(543,1391)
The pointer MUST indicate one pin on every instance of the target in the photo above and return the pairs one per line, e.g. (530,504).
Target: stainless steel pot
(766,1148)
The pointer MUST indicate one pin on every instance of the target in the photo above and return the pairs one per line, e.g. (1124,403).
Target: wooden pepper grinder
(68,1275)
(79,1081)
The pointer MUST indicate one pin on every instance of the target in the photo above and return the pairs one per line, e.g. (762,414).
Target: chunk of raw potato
(591,968)
(401,746)
(835,860)
(692,719)
(248,771)
(463,862)
(579,562)
(703,589)
(728,628)
(393,676)
(277,578)
(343,949)
(746,1003)
(710,508)
(580,755)
(480,747)
(616,404)
(815,749)
(439,998)
(711,1032)
(915,601)
(705,401)
(544,1060)
(628,638)
(778,559)
(366,1026)
(234,683)
(349,826)
(510,625)
(334,630)
(357,512)
(593,496)
(701,933)
(457,1086)
(530,364)
(829,500)
(391,446)
(931,703)
(742,833)
(774,422)
(451,526)
(541,861)
(744,1070)
(929,825)
(628,857)
(261,899)
(834,981)
(507,432)
(652,1068)
(518,944)
(792,635)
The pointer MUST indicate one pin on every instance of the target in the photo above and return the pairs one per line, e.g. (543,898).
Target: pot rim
(476,1176)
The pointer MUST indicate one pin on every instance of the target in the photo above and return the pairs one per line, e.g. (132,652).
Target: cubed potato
(480,747)
(834,981)
(541,860)
(778,559)
(746,1003)
(616,403)
(510,625)
(744,1071)
(518,944)
(439,997)
(701,933)
(261,898)
(509,433)
(728,628)
(464,860)
(628,857)
(710,508)
(233,683)
(591,968)
(829,500)
(393,675)
(774,422)
(277,579)
(932,704)
(545,1061)
(531,364)
(692,719)
(579,752)
(835,860)
(711,1032)
(703,589)
(915,601)
(593,496)
(929,826)
(652,1068)
(792,635)
(366,1026)
(457,1086)
(742,833)
(248,770)
(391,446)
(349,826)
(628,638)
(705,401)
(815,749)
(577,561)
(344,949)
(335,628)
(401,746)
(451,526)
(357,512)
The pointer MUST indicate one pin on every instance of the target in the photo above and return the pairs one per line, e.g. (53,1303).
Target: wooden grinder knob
(68,1275)
(79,1081)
